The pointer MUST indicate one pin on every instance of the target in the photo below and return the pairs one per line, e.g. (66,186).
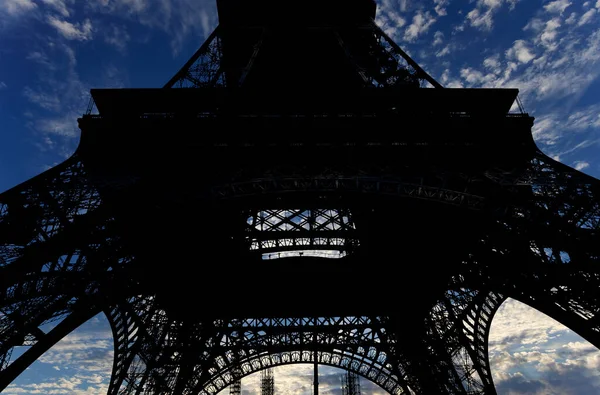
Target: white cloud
(587,17)
(181,19)
(481,19)
(46,100)
(2,85)
(65,125)
(520,52)
(443,52)
(440,6)
(59,6)
(70,31)
(81,364)
(471,76)
(549,34)
(59,94)
(549,129)
(558,6)
(482,16)
(571,19)
(512,4)
(493,63)
(420,24)
(580,165)
(389,18)
(17,7)
(532,353)
(438,38)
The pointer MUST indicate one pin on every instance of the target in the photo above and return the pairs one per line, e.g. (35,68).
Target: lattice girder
(72,313)
(34,213)
(232,52)
(221,362)
(73,243)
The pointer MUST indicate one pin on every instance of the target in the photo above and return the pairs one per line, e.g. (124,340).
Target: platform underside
(410,182)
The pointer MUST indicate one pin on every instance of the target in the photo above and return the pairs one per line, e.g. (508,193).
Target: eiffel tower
(301,191)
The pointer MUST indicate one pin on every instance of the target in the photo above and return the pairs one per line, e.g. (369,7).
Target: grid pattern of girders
(386,65)
(281,233)
(548,236)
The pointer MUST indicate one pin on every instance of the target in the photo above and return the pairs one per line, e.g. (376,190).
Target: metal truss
(351,384)
(370,185)
(267,382)
(207,67)
(284,232)
(61,263)
(204,67)
(65,255)
(382,64)
(376,58)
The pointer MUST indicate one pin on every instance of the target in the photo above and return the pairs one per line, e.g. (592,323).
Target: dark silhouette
(301,189)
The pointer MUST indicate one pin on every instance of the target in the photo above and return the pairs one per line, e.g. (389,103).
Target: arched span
(458,327)
(250,345)
(157,354)
(364,368)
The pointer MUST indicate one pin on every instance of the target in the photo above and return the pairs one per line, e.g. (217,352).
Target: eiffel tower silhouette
(301,191)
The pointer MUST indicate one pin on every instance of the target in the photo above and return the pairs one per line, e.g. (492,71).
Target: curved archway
(81,361)
(386,381)
(352,343)
(298,379)
(531,352)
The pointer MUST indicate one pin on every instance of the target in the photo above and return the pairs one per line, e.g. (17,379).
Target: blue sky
(53,51)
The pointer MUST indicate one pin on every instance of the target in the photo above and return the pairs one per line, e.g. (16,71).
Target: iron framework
(267,382)
(350,384)
(436,226)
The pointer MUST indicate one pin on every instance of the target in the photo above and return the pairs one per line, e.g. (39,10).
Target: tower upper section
(244,13)
(276,45)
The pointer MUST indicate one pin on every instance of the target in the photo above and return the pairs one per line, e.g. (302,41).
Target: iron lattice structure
(236,388)
(218,222)
(267,382)
(350,383)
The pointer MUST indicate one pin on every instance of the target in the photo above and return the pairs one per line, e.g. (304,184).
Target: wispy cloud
(440,6)
(580,165)
(420,24)
(588,17)
(82,362)
(558,6)
(389,17)
(17,7)
(482,16)
(81,31)
(181,19)
(520,52)
(59,6)
(438,38)
(59,97)
(117,37)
